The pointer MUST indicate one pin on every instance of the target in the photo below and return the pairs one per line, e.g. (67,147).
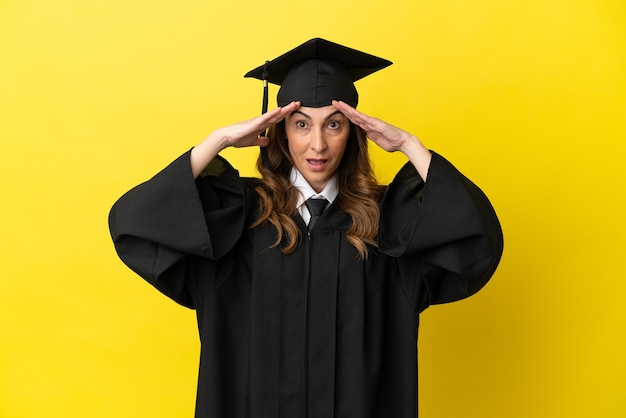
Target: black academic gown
(318,333)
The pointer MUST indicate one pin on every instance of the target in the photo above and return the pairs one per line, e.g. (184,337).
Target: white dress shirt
(330,192)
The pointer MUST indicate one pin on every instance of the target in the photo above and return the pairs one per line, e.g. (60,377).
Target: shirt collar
(330,191)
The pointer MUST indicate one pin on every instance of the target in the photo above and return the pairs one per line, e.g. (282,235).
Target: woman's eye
(301,124)
(333,124)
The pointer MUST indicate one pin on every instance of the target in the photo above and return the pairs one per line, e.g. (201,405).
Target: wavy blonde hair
(358,191)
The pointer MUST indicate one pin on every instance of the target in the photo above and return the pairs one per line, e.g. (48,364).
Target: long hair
(358,191)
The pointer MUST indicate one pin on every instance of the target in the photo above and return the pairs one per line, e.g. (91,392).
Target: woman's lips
(316,164)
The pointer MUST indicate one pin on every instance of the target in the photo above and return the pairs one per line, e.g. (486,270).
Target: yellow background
(526,97)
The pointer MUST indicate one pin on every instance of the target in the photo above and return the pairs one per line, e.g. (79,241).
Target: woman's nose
(318,142)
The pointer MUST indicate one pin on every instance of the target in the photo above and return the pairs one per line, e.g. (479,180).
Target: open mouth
(316,163)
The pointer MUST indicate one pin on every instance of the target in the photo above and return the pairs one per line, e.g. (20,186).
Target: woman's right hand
(243,134)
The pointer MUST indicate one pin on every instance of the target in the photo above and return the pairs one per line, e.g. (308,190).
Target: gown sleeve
(173,229)
(443,233)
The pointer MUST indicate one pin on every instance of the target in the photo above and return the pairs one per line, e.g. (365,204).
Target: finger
(348,111)
(280,113)
(291,106)
(356,117)
(261,123)
(268,116)
(287,110)
(345,108)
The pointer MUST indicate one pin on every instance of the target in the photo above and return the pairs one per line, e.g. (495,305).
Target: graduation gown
(317,333)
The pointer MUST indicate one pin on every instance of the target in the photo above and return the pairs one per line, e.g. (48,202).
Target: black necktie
(316,206)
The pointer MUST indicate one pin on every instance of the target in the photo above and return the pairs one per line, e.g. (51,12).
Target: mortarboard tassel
(264,157)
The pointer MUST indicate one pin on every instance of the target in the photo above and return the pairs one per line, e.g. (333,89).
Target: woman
(306,314)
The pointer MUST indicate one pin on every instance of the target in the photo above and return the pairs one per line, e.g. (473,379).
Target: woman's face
(317,139)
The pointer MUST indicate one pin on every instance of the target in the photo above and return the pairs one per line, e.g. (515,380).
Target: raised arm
(242,134)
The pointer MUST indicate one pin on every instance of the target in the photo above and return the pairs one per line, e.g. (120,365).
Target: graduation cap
(316,73)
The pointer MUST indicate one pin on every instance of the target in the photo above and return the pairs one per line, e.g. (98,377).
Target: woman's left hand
(389,137)
(386,136)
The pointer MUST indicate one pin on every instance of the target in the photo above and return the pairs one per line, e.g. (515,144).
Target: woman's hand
(247,133)
(243,134)
(386,136)
(389,137)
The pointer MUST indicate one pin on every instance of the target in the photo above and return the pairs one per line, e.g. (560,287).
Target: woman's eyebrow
(302,113)
(332,114)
